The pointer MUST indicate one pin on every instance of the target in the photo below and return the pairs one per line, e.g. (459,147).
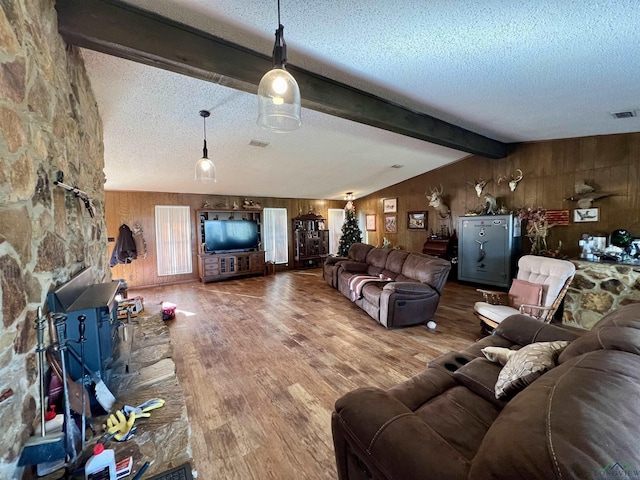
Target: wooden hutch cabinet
(219,266)
(310,240)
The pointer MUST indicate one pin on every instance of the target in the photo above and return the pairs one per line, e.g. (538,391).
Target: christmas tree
(350,232)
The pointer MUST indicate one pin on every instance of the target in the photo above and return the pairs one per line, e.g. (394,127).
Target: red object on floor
(168,310)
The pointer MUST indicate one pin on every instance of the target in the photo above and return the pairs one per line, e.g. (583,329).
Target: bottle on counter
(102,465)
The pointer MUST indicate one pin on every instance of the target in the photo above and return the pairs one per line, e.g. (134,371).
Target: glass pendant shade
(205,170)
(279,102)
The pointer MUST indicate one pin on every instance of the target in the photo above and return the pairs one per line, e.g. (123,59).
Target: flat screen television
(226,236)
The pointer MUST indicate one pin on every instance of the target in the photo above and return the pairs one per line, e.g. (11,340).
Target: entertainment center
(230,243)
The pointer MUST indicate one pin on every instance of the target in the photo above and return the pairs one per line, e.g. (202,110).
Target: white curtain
(336,219)
(275,238)
(362,225)
(173,239)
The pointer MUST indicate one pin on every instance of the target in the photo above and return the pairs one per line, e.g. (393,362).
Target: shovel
(42,448)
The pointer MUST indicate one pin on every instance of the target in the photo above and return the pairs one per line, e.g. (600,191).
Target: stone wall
(597,289)
(49,122)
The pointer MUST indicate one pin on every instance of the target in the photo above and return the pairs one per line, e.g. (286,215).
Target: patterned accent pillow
(527,364)
(498,354)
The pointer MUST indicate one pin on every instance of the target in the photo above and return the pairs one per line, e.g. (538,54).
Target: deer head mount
(513,183)
(479,185)
(435,201)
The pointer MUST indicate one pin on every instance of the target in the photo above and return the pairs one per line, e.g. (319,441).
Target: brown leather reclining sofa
(578,420)
(409,298)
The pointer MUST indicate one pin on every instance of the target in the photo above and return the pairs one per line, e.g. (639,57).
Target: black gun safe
(488,249)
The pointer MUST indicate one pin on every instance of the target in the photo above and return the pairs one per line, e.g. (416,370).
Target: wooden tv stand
(221,266)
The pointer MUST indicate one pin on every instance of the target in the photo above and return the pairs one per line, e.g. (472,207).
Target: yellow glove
(119,426)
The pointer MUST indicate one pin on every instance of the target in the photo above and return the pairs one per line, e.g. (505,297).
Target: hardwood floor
(262,360)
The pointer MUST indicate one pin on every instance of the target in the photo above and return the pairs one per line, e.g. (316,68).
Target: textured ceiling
(513,71)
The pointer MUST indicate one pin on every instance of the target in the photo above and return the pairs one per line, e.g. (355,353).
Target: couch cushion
(497,313)
(377,259)
(626,339)
(395,260)
(526,365)
(570,423)
(461,418)
(522,329)
(618,330)
(479,376)
(371,293)
(425,269)
(358,252)
(626,316)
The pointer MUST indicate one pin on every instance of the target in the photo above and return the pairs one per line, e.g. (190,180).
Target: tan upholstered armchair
(537,291)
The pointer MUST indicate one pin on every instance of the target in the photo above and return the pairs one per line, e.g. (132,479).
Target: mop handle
(40,321)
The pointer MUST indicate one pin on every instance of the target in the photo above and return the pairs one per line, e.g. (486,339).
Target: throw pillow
(525,293)
(498,354)
(527,364)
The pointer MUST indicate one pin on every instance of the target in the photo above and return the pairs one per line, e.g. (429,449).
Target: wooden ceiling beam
(118,29)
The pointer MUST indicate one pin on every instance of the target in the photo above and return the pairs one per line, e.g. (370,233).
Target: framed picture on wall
(390,205)
(391,224)
(586,215)
(417,220)
(371,223)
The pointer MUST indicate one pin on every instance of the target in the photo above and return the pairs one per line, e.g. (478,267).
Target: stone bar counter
(598,288)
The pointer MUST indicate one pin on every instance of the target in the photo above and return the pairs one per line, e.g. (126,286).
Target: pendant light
(205,168)
(278,92)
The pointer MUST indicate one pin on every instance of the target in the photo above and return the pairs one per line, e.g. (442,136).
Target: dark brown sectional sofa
(578,420)
(409,297)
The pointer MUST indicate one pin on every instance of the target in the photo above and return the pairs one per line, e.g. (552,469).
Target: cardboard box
(133,305)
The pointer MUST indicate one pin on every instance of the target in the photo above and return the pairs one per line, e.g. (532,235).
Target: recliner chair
(551,274)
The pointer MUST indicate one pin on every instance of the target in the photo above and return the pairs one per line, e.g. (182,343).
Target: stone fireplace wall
(49,122)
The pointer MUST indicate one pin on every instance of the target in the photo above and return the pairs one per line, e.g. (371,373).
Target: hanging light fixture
(278,92)
(349,196)
(205,168)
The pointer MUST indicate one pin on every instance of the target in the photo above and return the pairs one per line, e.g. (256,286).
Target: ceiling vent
(397,166)
(626,114)
(258,143)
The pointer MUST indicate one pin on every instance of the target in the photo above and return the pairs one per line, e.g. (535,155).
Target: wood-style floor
(262,360)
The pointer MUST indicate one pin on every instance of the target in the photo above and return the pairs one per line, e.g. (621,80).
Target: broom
(42,448)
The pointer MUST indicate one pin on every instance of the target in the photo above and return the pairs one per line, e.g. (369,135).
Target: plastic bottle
(102,465)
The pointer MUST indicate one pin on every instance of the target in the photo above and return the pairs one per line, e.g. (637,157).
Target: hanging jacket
(125,249)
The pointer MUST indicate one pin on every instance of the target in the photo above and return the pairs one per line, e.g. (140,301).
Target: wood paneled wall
(139,207)
(610,163)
